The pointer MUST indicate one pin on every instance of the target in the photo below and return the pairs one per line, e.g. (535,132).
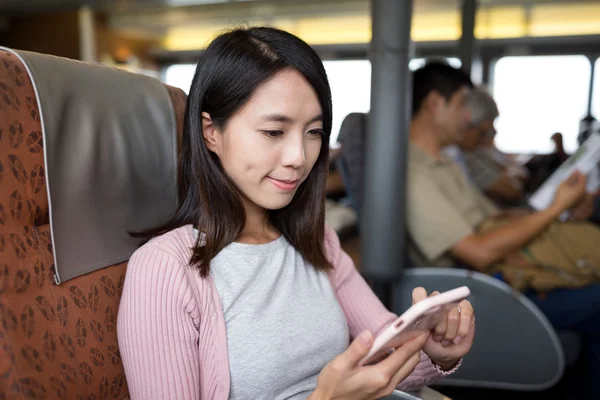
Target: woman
(262,302)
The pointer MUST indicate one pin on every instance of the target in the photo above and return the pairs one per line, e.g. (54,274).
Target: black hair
(231,68)
(437,77)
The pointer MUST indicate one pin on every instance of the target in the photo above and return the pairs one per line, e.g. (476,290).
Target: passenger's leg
(595,218)
(571,247)
(578,310)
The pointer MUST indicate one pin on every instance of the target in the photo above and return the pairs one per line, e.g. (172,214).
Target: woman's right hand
(344,378)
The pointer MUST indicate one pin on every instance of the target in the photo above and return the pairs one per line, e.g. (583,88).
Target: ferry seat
(88,153)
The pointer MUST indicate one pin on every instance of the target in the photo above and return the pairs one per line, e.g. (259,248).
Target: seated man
(450,222)
(494,175)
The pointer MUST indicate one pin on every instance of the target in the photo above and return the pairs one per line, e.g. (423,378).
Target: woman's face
(269,147)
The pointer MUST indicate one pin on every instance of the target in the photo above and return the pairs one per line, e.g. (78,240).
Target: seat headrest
(110,151)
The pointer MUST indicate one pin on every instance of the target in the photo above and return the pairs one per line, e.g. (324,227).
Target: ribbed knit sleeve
(364,311)
(158,328)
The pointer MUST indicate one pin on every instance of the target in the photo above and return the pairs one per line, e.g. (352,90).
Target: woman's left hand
(452,338)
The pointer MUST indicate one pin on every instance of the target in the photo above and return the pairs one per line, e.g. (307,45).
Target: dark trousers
(578,310)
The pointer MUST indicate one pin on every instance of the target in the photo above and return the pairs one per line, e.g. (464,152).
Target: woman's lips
(284,185)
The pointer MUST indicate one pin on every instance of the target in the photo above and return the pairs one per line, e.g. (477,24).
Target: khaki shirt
(443,207)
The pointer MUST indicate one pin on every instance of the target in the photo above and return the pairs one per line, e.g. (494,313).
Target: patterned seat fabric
(56,342)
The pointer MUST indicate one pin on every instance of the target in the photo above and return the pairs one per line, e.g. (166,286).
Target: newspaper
(585,160)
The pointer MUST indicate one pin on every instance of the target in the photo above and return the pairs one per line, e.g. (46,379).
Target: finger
(402,374)
(359,348)
(419,294)
(466,320)
(581,178)
(467,340)
(391,364)
(452,322)
(574,178)
(407,369)
(440,329)
(471,333)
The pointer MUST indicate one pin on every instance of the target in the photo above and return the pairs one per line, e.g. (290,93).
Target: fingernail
(445,343)
(457,339)
(437,338)
(365,338)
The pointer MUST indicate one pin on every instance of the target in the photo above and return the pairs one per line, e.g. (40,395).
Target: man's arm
(483,249)
(510,214)
(480,250)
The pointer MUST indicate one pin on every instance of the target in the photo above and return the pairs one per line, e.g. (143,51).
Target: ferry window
(538,96)
(351,87)
(350,83)
(180,75)
(596,91)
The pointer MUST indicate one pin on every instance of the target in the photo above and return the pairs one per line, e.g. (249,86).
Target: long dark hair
(228,72)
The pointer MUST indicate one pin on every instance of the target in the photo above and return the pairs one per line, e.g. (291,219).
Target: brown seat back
(56,341)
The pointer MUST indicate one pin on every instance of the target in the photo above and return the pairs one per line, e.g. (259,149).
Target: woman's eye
(316,132)
(273,134)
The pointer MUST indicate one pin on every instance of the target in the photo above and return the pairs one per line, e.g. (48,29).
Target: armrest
(400,395)
(511,331)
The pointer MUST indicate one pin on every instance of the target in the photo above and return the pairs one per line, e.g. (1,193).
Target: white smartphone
(420,317)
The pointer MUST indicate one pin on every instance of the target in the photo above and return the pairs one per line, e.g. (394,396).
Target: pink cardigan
(171,328)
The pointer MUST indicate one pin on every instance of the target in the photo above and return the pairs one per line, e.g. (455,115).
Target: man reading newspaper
(450,222)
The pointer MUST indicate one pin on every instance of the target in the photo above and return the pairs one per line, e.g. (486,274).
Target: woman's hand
(343,378)
(453,337)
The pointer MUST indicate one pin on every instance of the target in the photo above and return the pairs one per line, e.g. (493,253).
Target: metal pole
(591,92)
(382,217)
(87,35)
(467,40)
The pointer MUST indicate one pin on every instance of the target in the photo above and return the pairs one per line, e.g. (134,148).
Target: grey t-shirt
(282,318)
